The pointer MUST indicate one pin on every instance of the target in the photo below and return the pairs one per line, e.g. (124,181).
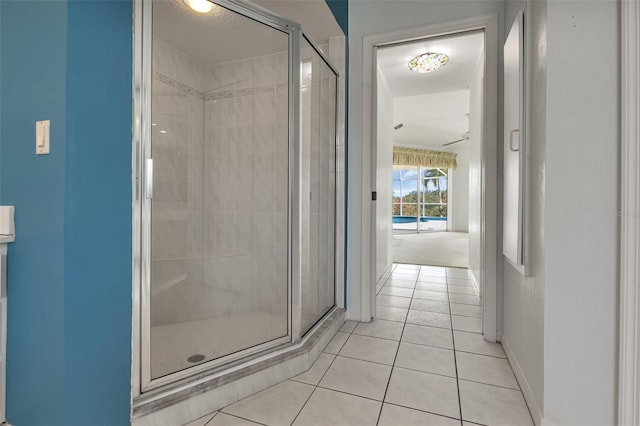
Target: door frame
(489,163)
(629,349)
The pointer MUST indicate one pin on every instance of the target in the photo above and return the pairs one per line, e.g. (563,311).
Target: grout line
(406,317)
(317,385)
(351,394)
(305,403)
(455,359)
(491,384)
(212,417)
(243,418)
(422,411)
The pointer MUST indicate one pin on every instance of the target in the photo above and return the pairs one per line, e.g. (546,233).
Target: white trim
(524,385)
(629,374)
(476,283)
(488,261)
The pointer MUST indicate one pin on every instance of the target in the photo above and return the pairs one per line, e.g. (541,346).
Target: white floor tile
(426,358)
(313,375)
(391,314)
(431,295)
(336,343)
(406,267)
(431,319)
(433,270)
(473,325)
(397,291)
(202,421)
(392,415)
(278,405)
(357,377)
(432,287)
(380,328)
(349,326)
(466,310)
(461,289)
(424,391)
(393,301)
(492,405)
(431,336)
(486,369)
(397,282)
(329,408)
(467,299)
(438,306)
(458,273)
(370,349)
(407,352)
(432,279)
(473,342)
(222,419)
(460,281)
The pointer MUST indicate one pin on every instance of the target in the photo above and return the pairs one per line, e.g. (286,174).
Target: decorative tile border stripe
(227,94)
(178,85)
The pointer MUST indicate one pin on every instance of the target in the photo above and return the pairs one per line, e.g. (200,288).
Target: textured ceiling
(464,52)
(431,120)
(223,36)
(432,107)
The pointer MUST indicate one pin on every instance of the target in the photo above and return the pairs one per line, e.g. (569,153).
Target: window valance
(423,158)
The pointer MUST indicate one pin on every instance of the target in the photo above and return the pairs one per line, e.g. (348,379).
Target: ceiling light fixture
(428,62)
(200,6)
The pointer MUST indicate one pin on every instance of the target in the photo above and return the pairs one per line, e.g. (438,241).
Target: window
(419,200)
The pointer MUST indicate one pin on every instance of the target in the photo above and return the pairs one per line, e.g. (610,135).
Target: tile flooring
(422,361)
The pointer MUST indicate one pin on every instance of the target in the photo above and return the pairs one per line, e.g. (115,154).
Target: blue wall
(340,10)
(69,311)
(97,260)
(33,88)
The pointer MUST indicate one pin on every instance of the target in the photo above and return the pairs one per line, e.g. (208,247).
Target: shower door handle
(511,140)
(148,178)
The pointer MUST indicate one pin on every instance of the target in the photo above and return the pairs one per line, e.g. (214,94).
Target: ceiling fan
(465,138)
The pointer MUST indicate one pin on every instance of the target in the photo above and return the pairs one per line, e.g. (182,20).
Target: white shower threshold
(194,397)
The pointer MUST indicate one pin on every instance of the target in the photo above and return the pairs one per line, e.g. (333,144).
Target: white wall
(476,131)
(458,210)
(384,182)
(377,17)
(524,296)
(581,240)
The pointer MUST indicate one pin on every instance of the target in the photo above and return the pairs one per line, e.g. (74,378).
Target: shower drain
(195,358)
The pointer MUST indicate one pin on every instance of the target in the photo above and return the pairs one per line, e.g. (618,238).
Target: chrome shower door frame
(142,380)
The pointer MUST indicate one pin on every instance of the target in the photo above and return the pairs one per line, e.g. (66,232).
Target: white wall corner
(524,385)
(546,422)
(629,351)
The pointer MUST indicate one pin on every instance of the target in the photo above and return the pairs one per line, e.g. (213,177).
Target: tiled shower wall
(177,147)
(220,188)
(246,187)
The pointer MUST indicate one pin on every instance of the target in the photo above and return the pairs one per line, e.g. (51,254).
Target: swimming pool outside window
(419,200)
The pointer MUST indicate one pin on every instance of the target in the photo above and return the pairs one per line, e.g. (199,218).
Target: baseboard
(524,385)
(474,279)
(384,271)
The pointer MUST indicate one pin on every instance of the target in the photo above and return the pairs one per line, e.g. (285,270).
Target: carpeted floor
(432,248)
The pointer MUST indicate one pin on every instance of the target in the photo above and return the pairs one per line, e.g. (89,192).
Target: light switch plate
(7,226)
(42,137)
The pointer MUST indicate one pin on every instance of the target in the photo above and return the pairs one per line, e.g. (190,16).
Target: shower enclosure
(235,205)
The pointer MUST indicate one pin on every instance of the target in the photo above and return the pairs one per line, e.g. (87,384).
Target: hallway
(421,362)
(432,248)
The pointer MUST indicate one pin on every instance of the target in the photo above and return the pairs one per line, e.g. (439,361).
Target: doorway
(481,176)
(426,149)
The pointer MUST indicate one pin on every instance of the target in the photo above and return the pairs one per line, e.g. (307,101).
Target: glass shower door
(219,269)
(318,141)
